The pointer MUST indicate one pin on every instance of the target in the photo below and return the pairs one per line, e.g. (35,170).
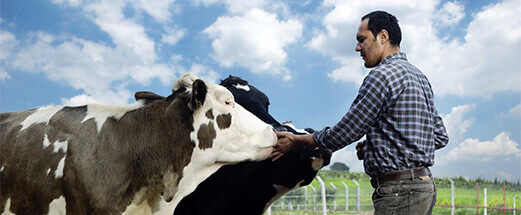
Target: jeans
(414,197)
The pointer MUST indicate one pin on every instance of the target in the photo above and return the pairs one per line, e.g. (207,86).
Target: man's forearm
(305,140)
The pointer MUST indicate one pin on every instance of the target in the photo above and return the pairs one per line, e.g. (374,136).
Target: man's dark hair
(379,20)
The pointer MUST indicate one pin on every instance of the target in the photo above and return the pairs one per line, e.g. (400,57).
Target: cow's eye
(229,102)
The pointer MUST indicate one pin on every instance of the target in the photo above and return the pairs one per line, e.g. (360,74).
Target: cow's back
(35,160)
(27,167)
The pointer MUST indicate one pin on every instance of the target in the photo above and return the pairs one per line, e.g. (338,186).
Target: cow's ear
(198,94)
(147,97)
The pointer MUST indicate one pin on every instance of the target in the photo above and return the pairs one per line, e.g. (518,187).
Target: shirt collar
(393,57)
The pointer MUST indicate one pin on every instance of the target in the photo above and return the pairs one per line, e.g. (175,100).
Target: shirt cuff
(317,136)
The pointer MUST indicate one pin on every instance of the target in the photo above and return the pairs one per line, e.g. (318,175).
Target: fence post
(514,204)
(334,196)
(451,196)
(504,198)
(485,201)
(477,198)
(305,198)
(357,195)
(314,197)
(347,196)
(323,188)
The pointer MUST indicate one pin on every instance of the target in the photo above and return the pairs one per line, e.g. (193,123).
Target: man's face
(370,48)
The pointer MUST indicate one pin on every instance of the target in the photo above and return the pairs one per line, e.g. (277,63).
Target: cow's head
(250,98)
(223,130)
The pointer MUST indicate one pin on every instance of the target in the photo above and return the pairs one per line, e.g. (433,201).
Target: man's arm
(288,141)
(441,138)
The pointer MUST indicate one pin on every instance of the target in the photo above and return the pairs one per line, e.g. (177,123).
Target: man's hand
(286,141)
(360,150)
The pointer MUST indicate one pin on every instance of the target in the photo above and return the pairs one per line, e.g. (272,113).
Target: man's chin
(367,65)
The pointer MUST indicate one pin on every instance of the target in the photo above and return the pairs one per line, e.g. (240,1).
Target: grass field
(465,194)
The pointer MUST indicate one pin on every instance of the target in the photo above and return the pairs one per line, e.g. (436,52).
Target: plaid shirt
(395,109)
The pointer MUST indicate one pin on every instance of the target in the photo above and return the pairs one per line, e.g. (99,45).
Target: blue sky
(300,53)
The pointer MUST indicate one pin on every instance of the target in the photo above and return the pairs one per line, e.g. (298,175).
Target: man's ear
(383,36)
(198,96)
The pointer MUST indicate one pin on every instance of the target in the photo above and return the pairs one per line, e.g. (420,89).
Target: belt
(400,175)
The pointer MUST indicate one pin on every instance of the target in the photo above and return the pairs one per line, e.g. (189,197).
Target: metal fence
(328,198)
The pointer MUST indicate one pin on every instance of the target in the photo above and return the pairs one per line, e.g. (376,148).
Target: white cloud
(118,96)
(450,14)
(158,9)
(173,35)
(7,43)
(100,70)
(473,149)
(514,112)
(97,69)
(455,124)
(4,75)
(255,41)
(457,67)
(204,73)
(70,3)
(237,6)
(125,32)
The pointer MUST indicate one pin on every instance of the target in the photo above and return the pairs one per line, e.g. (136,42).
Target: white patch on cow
(41,115)
(60,145)
(281,190)
(48,171)
(142,208)
(57,145)
(139,204)
(58,206)
(193,175)
(290,124)
(7,208)
(2,169)
(45,142)
(242,87)
(59,170)
(100,112)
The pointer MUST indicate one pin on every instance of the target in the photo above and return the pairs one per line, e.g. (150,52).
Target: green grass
(465,194)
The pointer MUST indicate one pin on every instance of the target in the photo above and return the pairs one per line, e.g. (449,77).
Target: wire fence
(354,197)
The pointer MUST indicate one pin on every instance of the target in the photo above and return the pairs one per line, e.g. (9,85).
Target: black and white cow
(250,187)
(131,159)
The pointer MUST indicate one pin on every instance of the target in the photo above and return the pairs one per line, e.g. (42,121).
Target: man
(395,109)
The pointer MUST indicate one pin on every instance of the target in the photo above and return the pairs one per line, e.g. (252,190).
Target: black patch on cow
(254,100)
(199,91)
(209,114)
(205,135)
(224,121)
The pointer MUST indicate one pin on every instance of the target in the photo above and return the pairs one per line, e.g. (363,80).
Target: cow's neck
(161,149)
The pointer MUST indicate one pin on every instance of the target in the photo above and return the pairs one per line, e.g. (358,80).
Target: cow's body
(250,187)
(133,159)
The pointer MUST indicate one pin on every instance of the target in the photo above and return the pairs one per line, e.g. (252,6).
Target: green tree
(337,166)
